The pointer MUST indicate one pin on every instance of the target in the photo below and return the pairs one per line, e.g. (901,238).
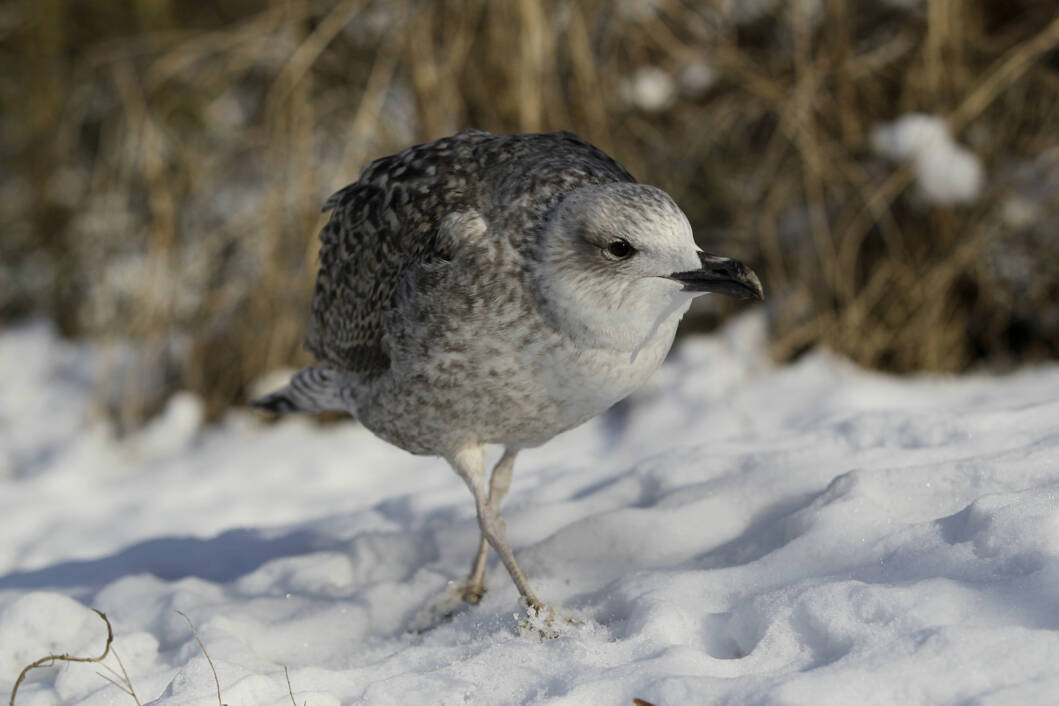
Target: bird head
(617,265)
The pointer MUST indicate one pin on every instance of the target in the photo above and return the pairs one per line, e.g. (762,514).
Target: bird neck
(645,312)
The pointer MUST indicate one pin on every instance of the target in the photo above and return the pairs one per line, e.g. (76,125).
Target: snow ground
(737,534)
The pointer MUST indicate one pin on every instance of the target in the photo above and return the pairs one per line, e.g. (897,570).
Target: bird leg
(470,465)
(499,483)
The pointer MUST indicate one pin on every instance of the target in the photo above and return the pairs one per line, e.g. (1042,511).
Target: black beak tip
(723,276)
(756,291)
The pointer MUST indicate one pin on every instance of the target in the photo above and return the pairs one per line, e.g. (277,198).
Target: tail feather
(278,402)
(317,388)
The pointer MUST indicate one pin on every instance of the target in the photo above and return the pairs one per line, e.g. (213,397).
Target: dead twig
(202,647)
(290,689)
(1004,72)
(51,659)
(122,680)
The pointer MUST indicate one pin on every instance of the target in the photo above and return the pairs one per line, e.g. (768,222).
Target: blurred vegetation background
(164,162)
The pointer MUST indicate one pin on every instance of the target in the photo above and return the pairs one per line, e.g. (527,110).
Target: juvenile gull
(496,289)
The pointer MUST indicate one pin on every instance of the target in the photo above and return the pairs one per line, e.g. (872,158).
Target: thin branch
(290,689)
(50,659)
(125,676)
(311,48)
(202,647)
(118,684)
(1002,73)
(122,680)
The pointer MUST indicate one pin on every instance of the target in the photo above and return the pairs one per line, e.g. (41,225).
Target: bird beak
(723,276)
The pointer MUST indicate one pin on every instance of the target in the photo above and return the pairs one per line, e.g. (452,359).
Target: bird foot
(458,598)
(542,622)
(471,594)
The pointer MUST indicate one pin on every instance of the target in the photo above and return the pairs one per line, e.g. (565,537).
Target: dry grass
(51,659)
(121,679)
(170,159)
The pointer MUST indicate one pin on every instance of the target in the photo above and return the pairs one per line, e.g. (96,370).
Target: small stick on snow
(122,680)
(202,647)
(290,689)
(47,661)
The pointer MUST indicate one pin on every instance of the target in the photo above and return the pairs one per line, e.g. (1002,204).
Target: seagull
(483,290)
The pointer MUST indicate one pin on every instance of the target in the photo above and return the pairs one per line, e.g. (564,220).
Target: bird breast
(474,360)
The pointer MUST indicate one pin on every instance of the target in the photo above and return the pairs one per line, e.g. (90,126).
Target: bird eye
(619,250)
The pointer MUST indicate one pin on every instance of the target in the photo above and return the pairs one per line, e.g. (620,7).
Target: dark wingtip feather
(277,402)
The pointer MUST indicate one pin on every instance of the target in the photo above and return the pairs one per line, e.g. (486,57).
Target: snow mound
(736,533)
(946,172)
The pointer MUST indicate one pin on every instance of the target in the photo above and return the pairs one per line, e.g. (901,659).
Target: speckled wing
(379,225)
(388,220)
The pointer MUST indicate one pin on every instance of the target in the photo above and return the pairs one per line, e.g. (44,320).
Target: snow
(649,88)
(737,533)
(696,78)
(946,172)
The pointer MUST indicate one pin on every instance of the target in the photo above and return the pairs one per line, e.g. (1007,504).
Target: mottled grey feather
(315,388)
(390,220)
